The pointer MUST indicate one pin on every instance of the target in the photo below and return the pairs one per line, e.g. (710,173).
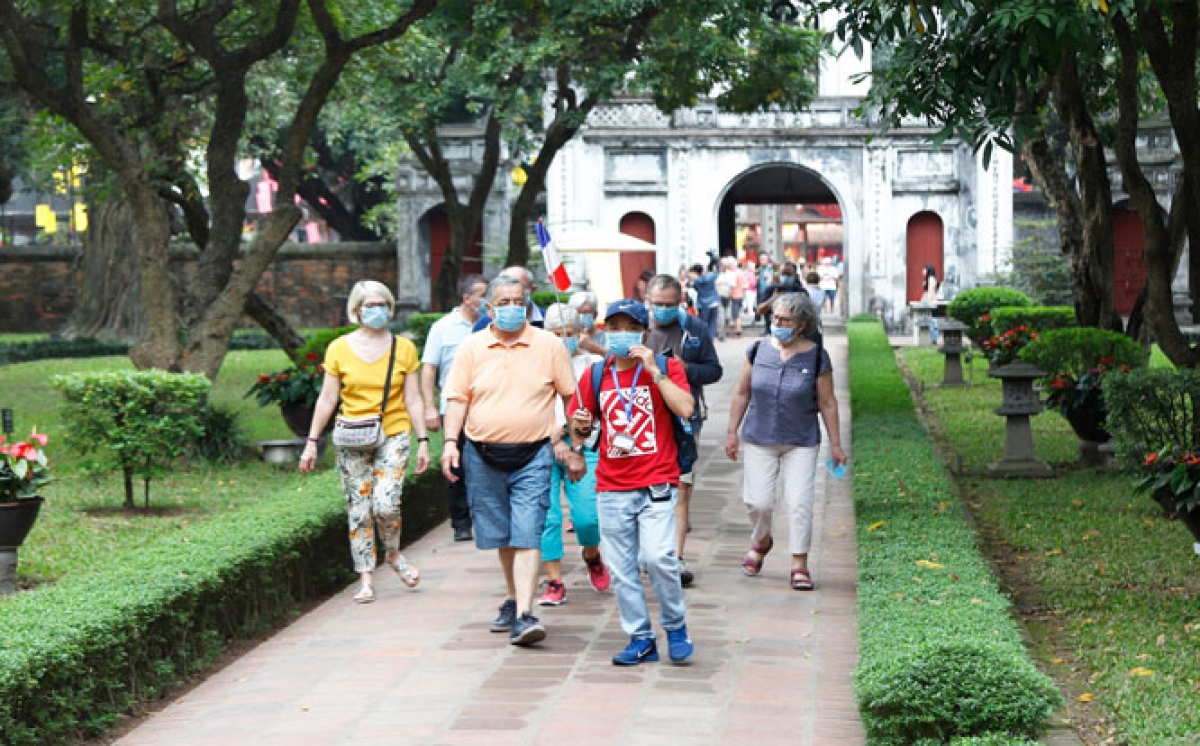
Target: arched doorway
(924,244)
(1129,268)
(633,263)
(434,232)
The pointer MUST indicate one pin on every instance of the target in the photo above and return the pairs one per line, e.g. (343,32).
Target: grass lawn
(1108,588)
(82,527)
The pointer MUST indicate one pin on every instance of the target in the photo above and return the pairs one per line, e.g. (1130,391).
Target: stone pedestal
(1020,402)
(952,347)
(921,313)
(8,572)
(285,451)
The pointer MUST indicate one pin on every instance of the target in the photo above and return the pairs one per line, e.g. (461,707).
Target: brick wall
(307,283)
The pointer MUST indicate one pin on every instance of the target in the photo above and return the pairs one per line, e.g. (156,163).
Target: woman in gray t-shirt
(784,384)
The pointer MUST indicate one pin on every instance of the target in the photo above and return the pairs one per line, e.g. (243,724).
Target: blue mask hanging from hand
(509,318)
(375,317)
(572,344)
(619,343)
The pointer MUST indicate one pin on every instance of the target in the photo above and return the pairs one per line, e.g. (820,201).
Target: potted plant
(24,470)
(1004,348)
(1077,361)
(1171,476)
(295,389)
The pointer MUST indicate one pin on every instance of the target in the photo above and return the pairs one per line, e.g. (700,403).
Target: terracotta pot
(16,520)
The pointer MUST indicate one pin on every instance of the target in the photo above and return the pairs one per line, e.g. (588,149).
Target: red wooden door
(924,245)
(439,242)
(633,263)
(1129,271)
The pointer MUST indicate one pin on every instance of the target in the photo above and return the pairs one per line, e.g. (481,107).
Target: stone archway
(800,217)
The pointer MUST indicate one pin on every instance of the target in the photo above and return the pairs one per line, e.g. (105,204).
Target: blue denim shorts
(508,508)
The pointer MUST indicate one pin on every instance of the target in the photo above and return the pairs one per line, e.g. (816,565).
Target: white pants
(770,469)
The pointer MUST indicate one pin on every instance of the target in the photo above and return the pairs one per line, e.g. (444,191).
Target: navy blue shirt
(783,402)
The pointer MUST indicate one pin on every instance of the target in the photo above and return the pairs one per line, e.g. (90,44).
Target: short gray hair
(560,316)
(525,276)
(466,285)
(666,282)
(502,281)
(360,291)
(584,296)
(801,307)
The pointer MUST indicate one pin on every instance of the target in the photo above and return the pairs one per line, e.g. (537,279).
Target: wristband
(422,438)
(660,376)
(314,440)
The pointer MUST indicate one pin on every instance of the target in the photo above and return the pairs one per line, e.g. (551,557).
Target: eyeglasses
(782,320)
(375,305)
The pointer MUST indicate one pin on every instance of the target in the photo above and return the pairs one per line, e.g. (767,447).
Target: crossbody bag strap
(387,385)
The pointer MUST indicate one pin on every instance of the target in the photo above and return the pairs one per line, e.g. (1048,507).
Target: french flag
(554,265)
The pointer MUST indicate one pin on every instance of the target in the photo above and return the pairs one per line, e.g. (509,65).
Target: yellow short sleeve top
(362,383)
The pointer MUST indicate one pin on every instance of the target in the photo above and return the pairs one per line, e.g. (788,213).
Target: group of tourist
(535,403)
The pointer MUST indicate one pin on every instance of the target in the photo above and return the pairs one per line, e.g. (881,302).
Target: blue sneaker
(508,616)
(527,630)
(640,650)
(679,645)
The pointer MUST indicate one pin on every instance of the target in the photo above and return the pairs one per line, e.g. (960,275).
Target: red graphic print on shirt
(641,425)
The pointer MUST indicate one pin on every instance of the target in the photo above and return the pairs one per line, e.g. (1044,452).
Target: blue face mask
(787,281)
(783,334)
(664,315)
(509,318)
(376,317)
(572,344)
(588,320)
(619,343)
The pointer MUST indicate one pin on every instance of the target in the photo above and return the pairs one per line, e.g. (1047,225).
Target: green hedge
(940,658)
(970,306)
(76,655)
(56,347)
(1038,318)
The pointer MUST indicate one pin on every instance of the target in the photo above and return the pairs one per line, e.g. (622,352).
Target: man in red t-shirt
(637,477)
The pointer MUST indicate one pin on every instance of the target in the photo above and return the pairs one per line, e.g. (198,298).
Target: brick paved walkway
(420,667)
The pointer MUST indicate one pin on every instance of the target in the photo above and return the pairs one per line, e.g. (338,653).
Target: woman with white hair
(785,384)
(564,321)
(370,371)
(591,337)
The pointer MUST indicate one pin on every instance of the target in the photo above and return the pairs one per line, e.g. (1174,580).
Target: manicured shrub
(546,298)
(970,307)
(1154,408)
(1075,351)
(1040,319)
(54,348)
(137,421)
(319,341)
(940,657)
(417,326)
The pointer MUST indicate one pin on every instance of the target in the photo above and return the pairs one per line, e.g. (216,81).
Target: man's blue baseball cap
(634,309)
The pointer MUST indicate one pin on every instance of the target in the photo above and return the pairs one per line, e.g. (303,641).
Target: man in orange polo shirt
(500,393)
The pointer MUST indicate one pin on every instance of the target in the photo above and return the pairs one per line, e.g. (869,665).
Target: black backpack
(685,439)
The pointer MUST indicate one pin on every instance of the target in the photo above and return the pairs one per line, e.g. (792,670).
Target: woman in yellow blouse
(356,367)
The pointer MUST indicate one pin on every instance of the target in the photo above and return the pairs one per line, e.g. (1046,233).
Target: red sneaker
(598,572)
(555,595)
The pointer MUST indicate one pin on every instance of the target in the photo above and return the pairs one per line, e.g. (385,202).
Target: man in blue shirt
(708,300)
(440,347)
(677,333)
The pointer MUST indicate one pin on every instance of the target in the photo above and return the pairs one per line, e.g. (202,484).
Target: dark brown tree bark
(108,306)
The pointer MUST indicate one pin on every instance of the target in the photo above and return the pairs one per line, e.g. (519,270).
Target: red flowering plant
(299,384)
(1172,478)
(23,467)
(1003,348)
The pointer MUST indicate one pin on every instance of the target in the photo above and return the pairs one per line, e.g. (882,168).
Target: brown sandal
(752,566)
(802,580)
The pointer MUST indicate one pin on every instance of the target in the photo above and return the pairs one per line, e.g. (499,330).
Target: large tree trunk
(6,180)
(108,306)
(160,348)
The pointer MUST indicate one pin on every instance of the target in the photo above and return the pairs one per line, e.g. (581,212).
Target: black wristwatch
(577,449)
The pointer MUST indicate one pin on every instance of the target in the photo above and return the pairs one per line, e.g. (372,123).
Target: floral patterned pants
(373,481)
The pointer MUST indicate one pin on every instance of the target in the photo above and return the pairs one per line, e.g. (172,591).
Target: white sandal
(365,595)
(408,574)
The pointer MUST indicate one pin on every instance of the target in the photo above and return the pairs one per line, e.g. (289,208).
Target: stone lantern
(1020,402)
(951,331)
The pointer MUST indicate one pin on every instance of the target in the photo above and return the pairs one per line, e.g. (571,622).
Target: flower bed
(939,656)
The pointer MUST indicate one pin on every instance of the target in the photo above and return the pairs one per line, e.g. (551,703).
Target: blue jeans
(582,497)
(633,528)
(508,508)
(711,317)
